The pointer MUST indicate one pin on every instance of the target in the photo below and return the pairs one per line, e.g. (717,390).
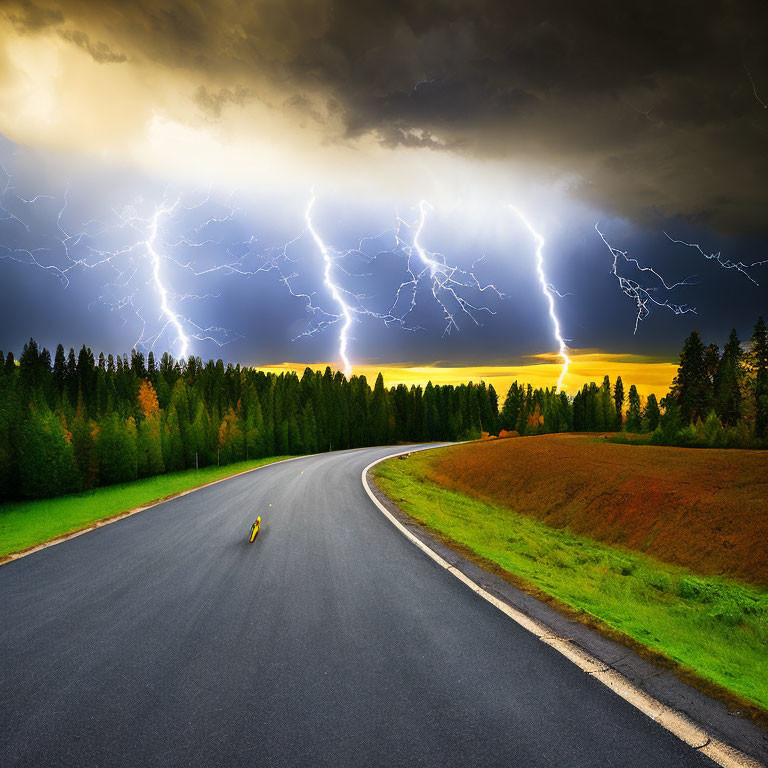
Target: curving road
(166,639)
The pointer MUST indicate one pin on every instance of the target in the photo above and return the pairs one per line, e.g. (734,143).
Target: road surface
(166,639)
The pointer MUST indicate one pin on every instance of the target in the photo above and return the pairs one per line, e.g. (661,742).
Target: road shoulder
(700,720)
(108,520)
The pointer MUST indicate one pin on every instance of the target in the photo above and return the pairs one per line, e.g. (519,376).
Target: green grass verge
(28,523)
(717,627)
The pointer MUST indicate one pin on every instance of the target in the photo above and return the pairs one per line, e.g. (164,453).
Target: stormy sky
(646,117)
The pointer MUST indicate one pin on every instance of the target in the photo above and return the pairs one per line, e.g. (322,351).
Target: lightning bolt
(549,292)
(140,259)
(350,306)
(739,266)
(345,311)
(422,266)
(641,295)
(162,292)
(149,246)
(446,282)
(158,252)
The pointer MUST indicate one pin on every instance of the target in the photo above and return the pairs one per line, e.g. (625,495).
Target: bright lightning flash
(641,295)
(172,317)
(549,292)
(446,282)
(345,310)
(142,245)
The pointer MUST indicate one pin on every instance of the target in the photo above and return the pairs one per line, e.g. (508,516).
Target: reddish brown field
(705,509)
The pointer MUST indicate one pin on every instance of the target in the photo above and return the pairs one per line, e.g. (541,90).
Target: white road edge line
(117,517)
(675,722)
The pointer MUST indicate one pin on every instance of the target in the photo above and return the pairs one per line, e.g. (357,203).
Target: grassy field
(701,509)
(25,524)
(714,626)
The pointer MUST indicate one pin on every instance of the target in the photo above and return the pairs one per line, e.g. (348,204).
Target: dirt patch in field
(705,509)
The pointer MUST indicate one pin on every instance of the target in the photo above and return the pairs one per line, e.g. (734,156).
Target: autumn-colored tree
(535,419)
(148,398)
(84,419)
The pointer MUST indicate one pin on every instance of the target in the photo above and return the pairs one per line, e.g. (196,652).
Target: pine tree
(607,405)
(670,422)
(294,436)
(633,411)
(149,447)
(309,429)
(690,388)
(83,448)
(117,424)
(71,377)
(758,358)
(380,413)
(431,418)
(231,438)
(204,440)
(34,369)
(86,379)
(597,412)
(729,380)
(137,364)
(618,400)
(493,401)
(171,441)
(652,414)
(488,417)
(513,404)
(711,362)
(579,417)
(566,413)
(46,460)
(180,403)
(115,450)
(8,454)
(254,426)
(60,370)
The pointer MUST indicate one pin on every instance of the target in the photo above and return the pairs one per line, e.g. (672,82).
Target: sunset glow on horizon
(649,377)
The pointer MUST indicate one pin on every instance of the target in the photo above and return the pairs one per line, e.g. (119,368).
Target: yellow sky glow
(585,367)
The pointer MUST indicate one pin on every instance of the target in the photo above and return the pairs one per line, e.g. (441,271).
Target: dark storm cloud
(98,51)
(654,106)
(213,102)
(28,17)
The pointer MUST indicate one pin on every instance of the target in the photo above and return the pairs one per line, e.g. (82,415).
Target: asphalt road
(166,639)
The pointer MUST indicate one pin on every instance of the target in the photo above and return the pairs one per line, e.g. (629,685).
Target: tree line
(719,398)
(75,422)
(594,408)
